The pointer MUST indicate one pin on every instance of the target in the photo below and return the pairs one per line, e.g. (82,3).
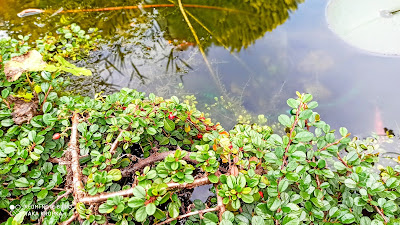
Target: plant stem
(75,167)
(52,205)
(296,120)
(129,192)
(334,143)
(189,214)
(395,12)
(70,220)
(220,204)
(47,94)
(7,104)
(379,210)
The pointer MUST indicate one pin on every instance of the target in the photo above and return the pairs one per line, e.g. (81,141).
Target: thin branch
(317,177)
(26,11)
(5,210)
(47,94)
(335,143)
(341,160)
(64,162)
(116,142)
(196,183)
(129,192)
(189,214)
(7,104)
(220,204)
(152,159)
(52,205)
(114,147)
(53,189)
(379,210)
(70,220)
(296,120)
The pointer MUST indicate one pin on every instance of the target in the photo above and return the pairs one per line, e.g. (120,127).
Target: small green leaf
(173,210)
(169,125)
(151,131)
(7,122)
(339,166)
(47,107)
(283,185)
(299,155)
(135,202)
(347,218)
(247,198)
(304,136)
(141,214)
(139,192)
(350,183)
(343,131)
(293,103)
(213,178)
(22,182)
(104,208)
(150,209)
(285,120)
(116,174)
(274,203)
(42,194)
(19,218)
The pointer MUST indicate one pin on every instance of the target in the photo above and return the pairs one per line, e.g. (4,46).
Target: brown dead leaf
(23,111)
(234,170)
(30,61)
(253,159)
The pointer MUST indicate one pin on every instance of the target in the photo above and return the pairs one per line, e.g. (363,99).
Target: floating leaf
(30,61)
(68,67)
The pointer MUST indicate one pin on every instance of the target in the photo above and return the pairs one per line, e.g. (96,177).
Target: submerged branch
(28,12)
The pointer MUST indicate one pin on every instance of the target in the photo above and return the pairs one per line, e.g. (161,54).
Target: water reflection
(235,24)
(151,47)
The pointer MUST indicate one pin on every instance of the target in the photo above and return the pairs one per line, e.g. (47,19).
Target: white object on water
(371,25)
(29,12)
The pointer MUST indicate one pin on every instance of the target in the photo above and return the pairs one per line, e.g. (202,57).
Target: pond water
(259,53)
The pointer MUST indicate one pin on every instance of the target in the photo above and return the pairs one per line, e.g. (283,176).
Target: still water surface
(261,53)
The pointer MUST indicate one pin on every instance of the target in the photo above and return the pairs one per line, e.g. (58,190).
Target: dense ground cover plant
(131,158)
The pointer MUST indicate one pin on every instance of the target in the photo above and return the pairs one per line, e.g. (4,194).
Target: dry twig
(52,205)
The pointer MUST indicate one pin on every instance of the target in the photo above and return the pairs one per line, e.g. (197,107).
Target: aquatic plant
(129,158)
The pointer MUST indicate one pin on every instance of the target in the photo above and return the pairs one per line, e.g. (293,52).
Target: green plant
(98,182)
(128,158)
(70,42)
(175,169)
